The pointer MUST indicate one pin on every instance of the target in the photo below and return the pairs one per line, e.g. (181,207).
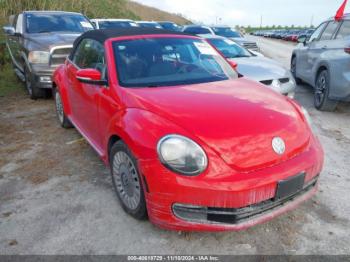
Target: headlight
(182,155)
(39,57)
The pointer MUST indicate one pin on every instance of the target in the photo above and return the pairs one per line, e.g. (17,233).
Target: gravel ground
(56,196)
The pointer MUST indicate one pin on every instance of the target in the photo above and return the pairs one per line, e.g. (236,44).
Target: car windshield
(169,61)
(49,22)
(115,24)
(229,48)
(226,32)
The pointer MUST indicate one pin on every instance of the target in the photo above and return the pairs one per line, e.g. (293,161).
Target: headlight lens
(182,155)
(39,57)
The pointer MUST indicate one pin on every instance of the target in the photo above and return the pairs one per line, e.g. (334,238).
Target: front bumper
(227,193)
(42,75)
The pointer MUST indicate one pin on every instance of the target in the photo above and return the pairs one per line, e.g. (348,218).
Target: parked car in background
(215,139)
(221,31)
(285,34)
(306,34)
(38,42)
(149,24)
(323,61)
(112,23)
(170,26)
(197,29)
(258,68)
(237,37)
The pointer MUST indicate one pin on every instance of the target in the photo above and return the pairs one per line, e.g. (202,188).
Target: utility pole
(312,21)
(261,21)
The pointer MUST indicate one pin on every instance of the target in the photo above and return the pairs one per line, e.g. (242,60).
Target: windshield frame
(26,28)
(110,42)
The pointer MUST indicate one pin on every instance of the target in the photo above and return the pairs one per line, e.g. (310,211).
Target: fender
(317,67)
(62,84)
(128,125)
(13,58)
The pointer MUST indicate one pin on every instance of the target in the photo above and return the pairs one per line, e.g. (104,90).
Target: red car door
(84,97)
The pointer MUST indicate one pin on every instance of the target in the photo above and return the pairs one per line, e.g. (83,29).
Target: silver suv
(323,61)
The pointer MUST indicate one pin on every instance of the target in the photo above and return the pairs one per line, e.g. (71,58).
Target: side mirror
(9,30)
(90,76)
(302,39)
(233,64)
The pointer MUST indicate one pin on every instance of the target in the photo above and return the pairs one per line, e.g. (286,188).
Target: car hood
(45,41)
(260,68)
(236,118)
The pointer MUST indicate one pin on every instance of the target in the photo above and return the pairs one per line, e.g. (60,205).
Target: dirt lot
(56,196)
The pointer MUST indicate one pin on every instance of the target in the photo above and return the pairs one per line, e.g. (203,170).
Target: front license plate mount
(290,186)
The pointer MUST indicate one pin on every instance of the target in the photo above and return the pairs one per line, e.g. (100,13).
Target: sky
(249,12)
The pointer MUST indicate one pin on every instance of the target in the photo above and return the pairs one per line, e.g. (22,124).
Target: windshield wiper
(239,56)
(44,31)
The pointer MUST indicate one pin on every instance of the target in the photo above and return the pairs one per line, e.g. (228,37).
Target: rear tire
(127,181)
(321,100)
(33,91)
(61,116)
(293,69)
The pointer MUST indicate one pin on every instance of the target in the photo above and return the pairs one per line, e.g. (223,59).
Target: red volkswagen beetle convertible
(188,143)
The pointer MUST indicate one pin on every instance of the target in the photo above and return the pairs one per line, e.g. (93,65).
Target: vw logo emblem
(278,145)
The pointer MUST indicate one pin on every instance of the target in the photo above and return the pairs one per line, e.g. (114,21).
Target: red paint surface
(234,122)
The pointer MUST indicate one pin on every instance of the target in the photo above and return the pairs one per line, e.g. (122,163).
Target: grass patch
(9,83)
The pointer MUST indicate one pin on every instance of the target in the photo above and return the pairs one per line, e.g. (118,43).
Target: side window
(329,31)
(19,24)
(317,32)
(90,54)
(344,30)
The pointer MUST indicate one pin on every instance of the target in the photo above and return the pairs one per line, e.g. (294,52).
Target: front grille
(235,215)
(59,55)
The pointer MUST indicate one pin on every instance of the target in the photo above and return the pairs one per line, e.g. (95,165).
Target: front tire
(321,100)
(33,91)
(293,69)
(127,181)
(61,116)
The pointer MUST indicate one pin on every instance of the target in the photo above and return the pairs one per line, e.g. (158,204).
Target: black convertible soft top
(102,35)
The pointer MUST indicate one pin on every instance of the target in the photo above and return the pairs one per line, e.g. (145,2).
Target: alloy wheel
(126,180)
(320,89)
